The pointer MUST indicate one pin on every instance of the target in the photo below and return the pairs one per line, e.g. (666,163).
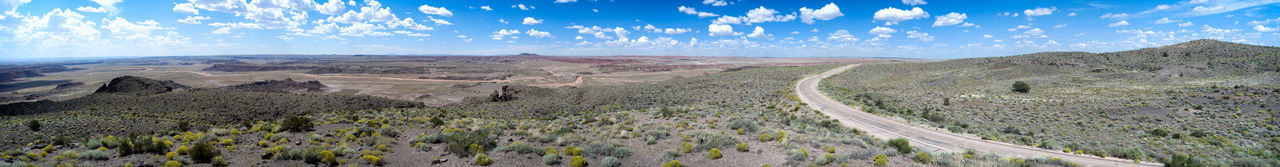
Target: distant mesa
(528,54)
(139,86)
(282,86)
(67,85)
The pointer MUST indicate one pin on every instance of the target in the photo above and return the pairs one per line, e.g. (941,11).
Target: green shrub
(523,149)
(881,160)
(173,164)
(825,159)
(296,124)
(797,154)
(742,147)
(460,143)
(686,148)
(672,163)
(746,125)
(203,152)
(550,159)
(572,151)
(610,162)
(218,161)
(1159,132)
(372,160)
(901,144)
(706,141)
(389,132)
(1021,87)
(714,153)
(184,126)
(577,161)
(328,158)
(765,137)
(436,121)
(94,155)
(475,149)
(669,155)
(923,157)
(607,149)
(483,160)
(34,125)
(141,144)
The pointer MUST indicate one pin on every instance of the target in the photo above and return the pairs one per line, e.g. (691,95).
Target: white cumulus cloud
(1120,23)
(531,21)
(919,35)
(761,14)
(1166,20)
(185,8)
(721,30)
(715,2)
(842,36)
(536,33)
(1187,24)
(1261,28)
(892,15)
(504,33)
(1040,11)
(428,9)
(828,12)
(193,19)
(1114,16)
(758,33)
(92,9)
(692,11)
(914,2)
(949,19)
(882,32)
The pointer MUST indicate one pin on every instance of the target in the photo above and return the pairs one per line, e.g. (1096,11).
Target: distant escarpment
(286,85)
(139,86)
(10,73)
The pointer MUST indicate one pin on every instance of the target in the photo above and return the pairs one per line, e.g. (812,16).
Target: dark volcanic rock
(139,86)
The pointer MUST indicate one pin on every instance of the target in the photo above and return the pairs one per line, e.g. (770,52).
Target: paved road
(925,138)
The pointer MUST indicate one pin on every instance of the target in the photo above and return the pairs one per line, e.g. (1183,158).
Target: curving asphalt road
(929,139)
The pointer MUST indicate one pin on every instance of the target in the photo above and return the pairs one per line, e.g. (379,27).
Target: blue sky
(931,29)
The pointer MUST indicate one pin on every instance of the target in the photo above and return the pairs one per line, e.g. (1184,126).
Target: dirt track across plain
(928,139)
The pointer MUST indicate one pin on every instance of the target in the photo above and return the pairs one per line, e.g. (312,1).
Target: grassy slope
(1107,104)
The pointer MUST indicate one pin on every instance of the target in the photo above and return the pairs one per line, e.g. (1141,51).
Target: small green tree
(901,144)
(34,125)
(203,152)
(1021,87)
(297,124)
(1182,160)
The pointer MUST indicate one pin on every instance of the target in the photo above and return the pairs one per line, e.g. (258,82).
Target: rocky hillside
(139,86)
(1211,99)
